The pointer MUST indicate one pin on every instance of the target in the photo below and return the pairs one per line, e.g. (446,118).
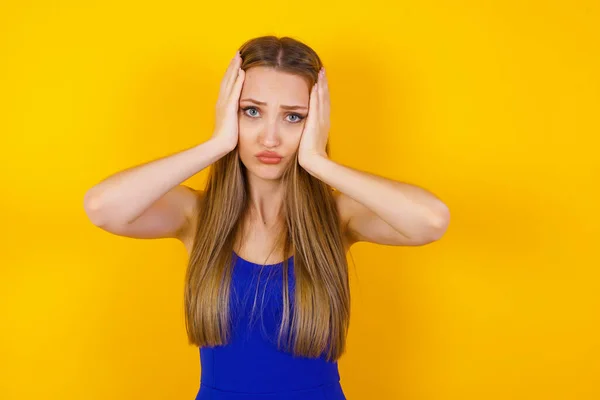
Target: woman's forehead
(269,85)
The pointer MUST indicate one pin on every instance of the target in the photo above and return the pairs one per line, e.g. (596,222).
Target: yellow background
(493,106)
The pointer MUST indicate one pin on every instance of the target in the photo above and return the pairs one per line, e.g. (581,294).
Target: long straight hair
(319,318)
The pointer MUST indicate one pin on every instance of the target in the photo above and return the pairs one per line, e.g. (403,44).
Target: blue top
(250,366)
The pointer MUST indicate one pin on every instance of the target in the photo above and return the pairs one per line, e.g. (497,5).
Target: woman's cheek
(296,129)
(243,126)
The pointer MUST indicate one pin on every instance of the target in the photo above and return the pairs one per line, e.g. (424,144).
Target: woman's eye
(253,113)
(250,109)
(298,118)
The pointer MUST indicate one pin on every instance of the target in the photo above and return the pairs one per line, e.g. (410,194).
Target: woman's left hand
(316,129)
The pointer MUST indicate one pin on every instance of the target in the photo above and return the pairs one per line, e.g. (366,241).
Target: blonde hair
(319,319)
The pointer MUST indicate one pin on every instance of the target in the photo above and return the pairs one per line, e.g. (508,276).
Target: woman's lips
(269,160)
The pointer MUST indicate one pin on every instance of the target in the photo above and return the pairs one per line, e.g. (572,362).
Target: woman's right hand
(226,115)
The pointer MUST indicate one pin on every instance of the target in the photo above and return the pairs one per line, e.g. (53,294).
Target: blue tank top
(250,366)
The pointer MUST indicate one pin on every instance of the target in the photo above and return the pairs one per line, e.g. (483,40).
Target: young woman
(267,296)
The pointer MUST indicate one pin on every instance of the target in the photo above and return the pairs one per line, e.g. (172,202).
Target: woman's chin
(274,174)
(269,171)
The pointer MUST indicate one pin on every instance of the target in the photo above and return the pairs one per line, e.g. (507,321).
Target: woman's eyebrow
(262,103)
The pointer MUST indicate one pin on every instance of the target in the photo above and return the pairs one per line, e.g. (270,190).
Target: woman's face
(273,108)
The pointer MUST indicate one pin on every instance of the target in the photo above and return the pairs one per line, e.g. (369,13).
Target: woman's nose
(270,136)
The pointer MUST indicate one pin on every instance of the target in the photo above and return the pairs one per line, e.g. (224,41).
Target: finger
(223,89)
(321,92)
(233,74)
(326,95)
(228,70)
(230,74)
(313,102)
(236,90)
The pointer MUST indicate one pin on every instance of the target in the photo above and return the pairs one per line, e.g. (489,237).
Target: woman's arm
(382,210)
(148,200)
(372,208)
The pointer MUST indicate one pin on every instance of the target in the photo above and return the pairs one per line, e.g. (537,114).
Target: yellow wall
(492,107)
